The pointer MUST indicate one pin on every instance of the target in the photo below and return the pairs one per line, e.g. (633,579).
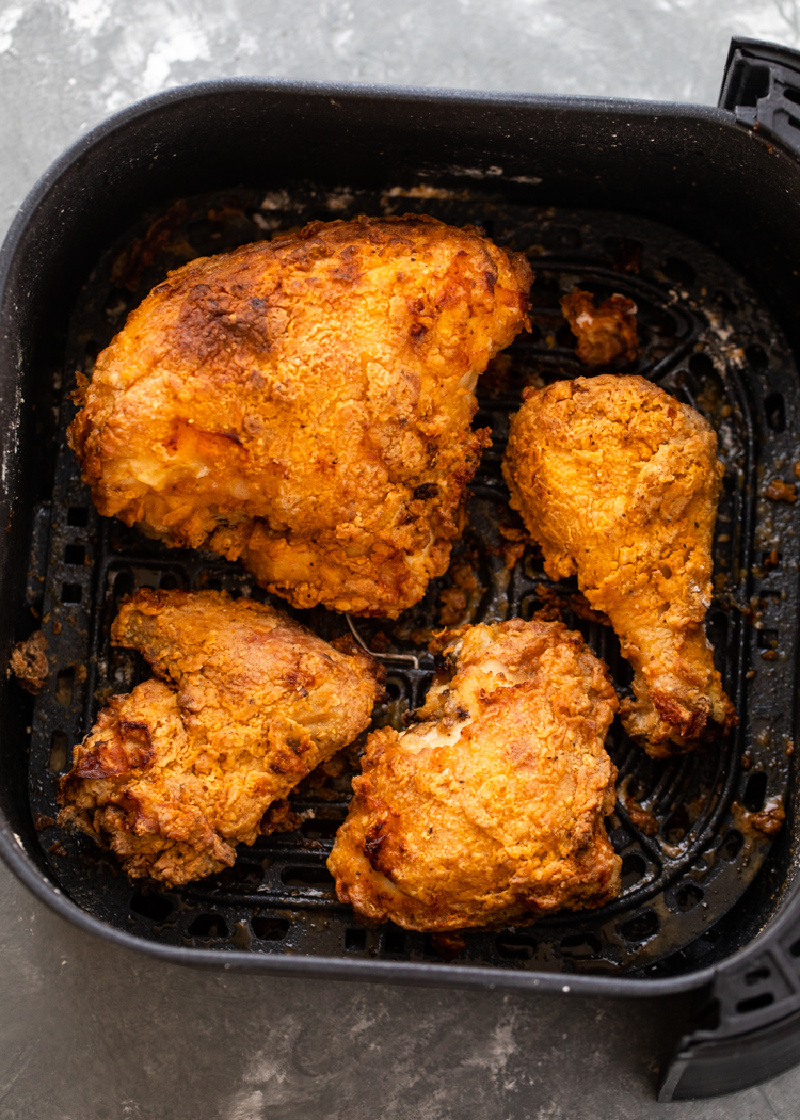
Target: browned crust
(175,774)
(618,483)
(489,809)
(304,404)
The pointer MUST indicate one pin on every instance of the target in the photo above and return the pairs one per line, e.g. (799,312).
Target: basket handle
(761,87)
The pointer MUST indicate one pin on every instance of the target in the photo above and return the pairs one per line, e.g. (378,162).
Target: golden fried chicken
(488,810)
(176,773)
(305,403)
(619,482)
(606,334)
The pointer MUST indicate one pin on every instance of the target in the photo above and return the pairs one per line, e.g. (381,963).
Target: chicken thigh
(176,773)
(488,810)
(304,404)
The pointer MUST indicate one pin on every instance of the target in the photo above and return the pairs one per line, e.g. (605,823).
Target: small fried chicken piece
(29,662)
(489,810)
(176,773)
(618,482)
(606,334)
(304,404)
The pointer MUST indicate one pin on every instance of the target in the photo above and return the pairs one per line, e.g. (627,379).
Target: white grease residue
(11,449)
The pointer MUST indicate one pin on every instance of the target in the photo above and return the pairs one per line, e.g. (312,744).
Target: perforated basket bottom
(686,828)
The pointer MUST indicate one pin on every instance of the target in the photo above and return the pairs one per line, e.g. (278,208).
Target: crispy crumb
(641,818)
(780,491)
(29,662)
(770,819)
(606,334)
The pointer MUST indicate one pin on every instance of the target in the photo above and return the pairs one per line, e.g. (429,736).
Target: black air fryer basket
(692,212)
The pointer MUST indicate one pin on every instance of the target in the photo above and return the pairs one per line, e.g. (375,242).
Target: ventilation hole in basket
(58,752)
(679,271)
(208,925)
(757,976)
(641,927)
(151,905)
(515,947)
(535,333)
(528,605)
(565,338)
(394,941)
(65,686)
(123,584)
(169,582)
(74,554)
(789,93)
(307,877)
(355,939)
(731,845)
(755,1003)
(755,792)
(768,639)
(792,120)
(269,929)
(775,411)
(394,688)
(78,516)
(71,593)
(794,948)
(633,869)
(676,825)
(702,366)
(581,945)
(757,357)
(687,897)
(319,829)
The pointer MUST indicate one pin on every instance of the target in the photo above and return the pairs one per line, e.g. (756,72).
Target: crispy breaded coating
(607,333)
(488,810)
(619,482)
(176,773)
(29,662)
(304,404)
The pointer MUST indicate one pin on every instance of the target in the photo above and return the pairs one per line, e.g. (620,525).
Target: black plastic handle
(761,86)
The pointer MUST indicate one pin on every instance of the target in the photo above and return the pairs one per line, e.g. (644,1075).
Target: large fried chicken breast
(305,404)
(489,809)
(619,482)
(176,773)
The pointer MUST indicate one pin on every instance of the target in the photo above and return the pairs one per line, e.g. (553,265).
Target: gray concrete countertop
(91,1032)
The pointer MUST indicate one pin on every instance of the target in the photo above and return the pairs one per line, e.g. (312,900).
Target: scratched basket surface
(693,832)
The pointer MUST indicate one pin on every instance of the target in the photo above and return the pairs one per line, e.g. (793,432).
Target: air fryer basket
(707,901)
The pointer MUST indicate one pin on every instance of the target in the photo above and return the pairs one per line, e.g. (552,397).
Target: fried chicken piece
(304,404)
(618,482)
(489,810)
(606,334)
(176,773)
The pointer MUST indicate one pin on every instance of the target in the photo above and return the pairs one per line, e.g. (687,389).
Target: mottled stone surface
(88,1032)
